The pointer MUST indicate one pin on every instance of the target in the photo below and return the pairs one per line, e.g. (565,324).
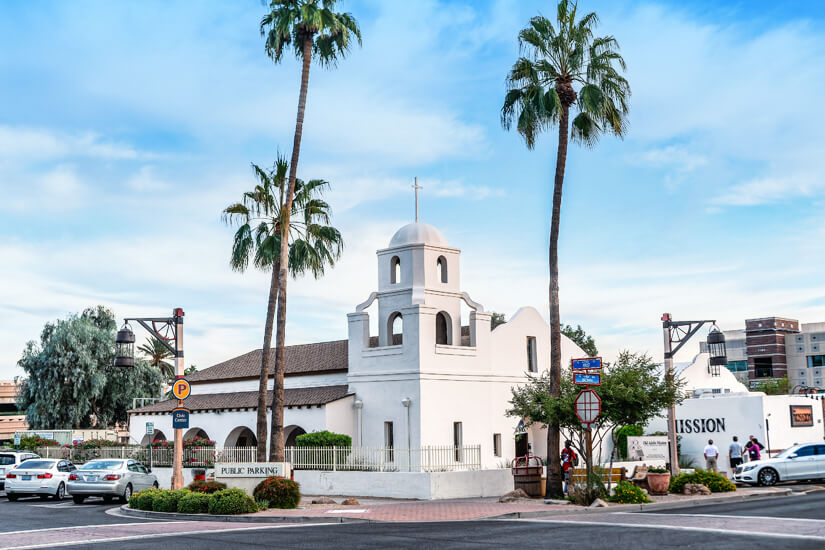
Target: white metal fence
(364,459)
(385,459)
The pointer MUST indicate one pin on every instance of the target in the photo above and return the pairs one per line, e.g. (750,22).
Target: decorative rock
(351,502)
(323,500)
(598,503)
(695,489)
(513,496)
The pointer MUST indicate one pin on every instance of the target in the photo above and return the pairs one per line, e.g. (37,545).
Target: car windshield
(38,464)
(788,451)
(102,465)
(5,460)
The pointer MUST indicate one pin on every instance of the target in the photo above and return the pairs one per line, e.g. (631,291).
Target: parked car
(798,462)
(9,461)
(41,477)
(110,478)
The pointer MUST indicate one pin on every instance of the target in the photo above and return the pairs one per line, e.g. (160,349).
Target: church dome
(418,233)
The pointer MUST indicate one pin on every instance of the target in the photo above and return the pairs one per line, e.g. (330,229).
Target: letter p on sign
(181,388)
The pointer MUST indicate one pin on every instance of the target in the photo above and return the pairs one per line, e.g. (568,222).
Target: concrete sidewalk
(393,510)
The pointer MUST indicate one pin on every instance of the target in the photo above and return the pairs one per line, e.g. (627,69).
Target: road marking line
(161,535)
(725,516)
(361,511)
(6,533)
(675,528)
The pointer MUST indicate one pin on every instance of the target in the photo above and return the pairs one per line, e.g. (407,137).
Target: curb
(174,516)
(650,506)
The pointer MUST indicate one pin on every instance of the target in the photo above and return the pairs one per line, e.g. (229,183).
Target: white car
(799,462)
(9,460)
(43,477)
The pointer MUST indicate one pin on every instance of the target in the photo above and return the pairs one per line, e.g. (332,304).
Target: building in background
(11,419)
(771,348)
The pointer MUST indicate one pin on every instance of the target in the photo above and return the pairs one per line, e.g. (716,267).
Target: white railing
(193,457)
(385,459)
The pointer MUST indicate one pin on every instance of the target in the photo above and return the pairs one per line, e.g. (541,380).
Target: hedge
(142,500)
(231,502)
(207,487)
(194,503)
(279,492)
(167,501)
(715,482)
(323,439)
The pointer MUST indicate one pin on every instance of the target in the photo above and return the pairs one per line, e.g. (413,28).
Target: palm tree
(541,90)
(312,246)
(155,353)
(313,30)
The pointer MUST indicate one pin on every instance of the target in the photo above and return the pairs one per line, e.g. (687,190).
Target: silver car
(110,478)
(39,477)
(9,461)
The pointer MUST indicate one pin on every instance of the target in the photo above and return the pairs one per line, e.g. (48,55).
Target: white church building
(430,377)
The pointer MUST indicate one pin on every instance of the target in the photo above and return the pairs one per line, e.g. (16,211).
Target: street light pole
(177,470)
(671,410)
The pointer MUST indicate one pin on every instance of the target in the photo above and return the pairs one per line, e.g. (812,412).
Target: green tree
(541,91)
(156,353)
(313,31)
(581,339)
(777,386)
(70,378)
(313,244)
(632,392)
(497,319)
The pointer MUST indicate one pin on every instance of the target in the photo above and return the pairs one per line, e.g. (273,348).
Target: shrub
(142,500)
(198,442)
(323,439)
(95,444)
(280,492)
(715,482)
(167,501)
(231,502)
(627,493)
(263,505)
(621,437)
(207,487)
(657,470)
(33,442)
(194,503)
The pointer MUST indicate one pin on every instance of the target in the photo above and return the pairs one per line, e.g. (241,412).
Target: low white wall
(417,485)
(164,476)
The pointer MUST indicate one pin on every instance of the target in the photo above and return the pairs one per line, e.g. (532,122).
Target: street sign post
(588,406)
(17,438)
(180,418)
(587,379)
(150,428)
(587,363)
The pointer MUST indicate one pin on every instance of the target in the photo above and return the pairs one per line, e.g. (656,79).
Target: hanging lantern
(125,347)
(717,351)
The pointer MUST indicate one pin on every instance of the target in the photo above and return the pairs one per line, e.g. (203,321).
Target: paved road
(32,513)
(802,506)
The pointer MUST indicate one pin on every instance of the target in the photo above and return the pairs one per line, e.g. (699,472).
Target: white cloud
(25,143)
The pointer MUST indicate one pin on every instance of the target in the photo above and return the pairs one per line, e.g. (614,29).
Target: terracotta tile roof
(301,359)
(293,397)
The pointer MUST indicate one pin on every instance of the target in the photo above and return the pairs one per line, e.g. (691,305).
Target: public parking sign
(588,406)
(181,388)
(180,418)
(150,428)
(587,363)
(587,379)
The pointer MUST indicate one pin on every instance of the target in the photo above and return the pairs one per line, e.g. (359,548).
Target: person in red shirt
(568,460)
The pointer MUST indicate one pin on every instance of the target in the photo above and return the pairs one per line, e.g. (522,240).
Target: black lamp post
(717,350)
(125,347)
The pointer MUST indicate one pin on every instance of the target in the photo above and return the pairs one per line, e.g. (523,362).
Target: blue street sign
(587,363)
(180,418)
(586,379)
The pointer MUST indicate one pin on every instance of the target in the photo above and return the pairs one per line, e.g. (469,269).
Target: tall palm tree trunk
(276,445)
(554,485)
(265,361)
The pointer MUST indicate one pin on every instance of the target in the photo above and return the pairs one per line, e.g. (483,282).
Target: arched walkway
(156,436)
(241,437)
(290,433)
(195,432)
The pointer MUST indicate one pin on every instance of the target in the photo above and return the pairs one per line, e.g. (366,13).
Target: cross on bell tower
(416,187)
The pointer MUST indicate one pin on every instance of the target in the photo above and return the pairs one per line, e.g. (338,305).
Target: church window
(395,270)
(442,268)
(497,444)
(442,329)
(395,329)
(389,441)
(532,358)
(458,437)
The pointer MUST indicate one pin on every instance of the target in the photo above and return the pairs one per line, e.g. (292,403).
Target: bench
(611,475)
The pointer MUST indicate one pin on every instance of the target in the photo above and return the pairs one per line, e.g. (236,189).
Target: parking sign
(150,428)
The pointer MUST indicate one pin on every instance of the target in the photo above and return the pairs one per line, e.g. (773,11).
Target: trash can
(527,472)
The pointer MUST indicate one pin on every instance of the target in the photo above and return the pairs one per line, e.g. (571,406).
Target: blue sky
(126,127)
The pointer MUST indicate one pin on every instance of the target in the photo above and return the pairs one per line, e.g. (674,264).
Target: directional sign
(587,363)
(17,440)
(150,428)
(587,379)
(181,388)
(180,418)
(588,406)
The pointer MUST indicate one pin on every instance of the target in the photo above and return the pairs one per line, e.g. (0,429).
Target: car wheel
(768,477)
(78,499)
(127,494)
(12,497)
(61,492)
(108,499)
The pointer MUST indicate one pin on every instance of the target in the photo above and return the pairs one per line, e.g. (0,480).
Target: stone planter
(658,483)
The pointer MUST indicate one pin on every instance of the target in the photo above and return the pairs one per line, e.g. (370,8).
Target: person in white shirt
(711,454)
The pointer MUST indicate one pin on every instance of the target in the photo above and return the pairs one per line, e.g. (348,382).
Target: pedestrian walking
(735,452)
(568,461)
(711,454)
